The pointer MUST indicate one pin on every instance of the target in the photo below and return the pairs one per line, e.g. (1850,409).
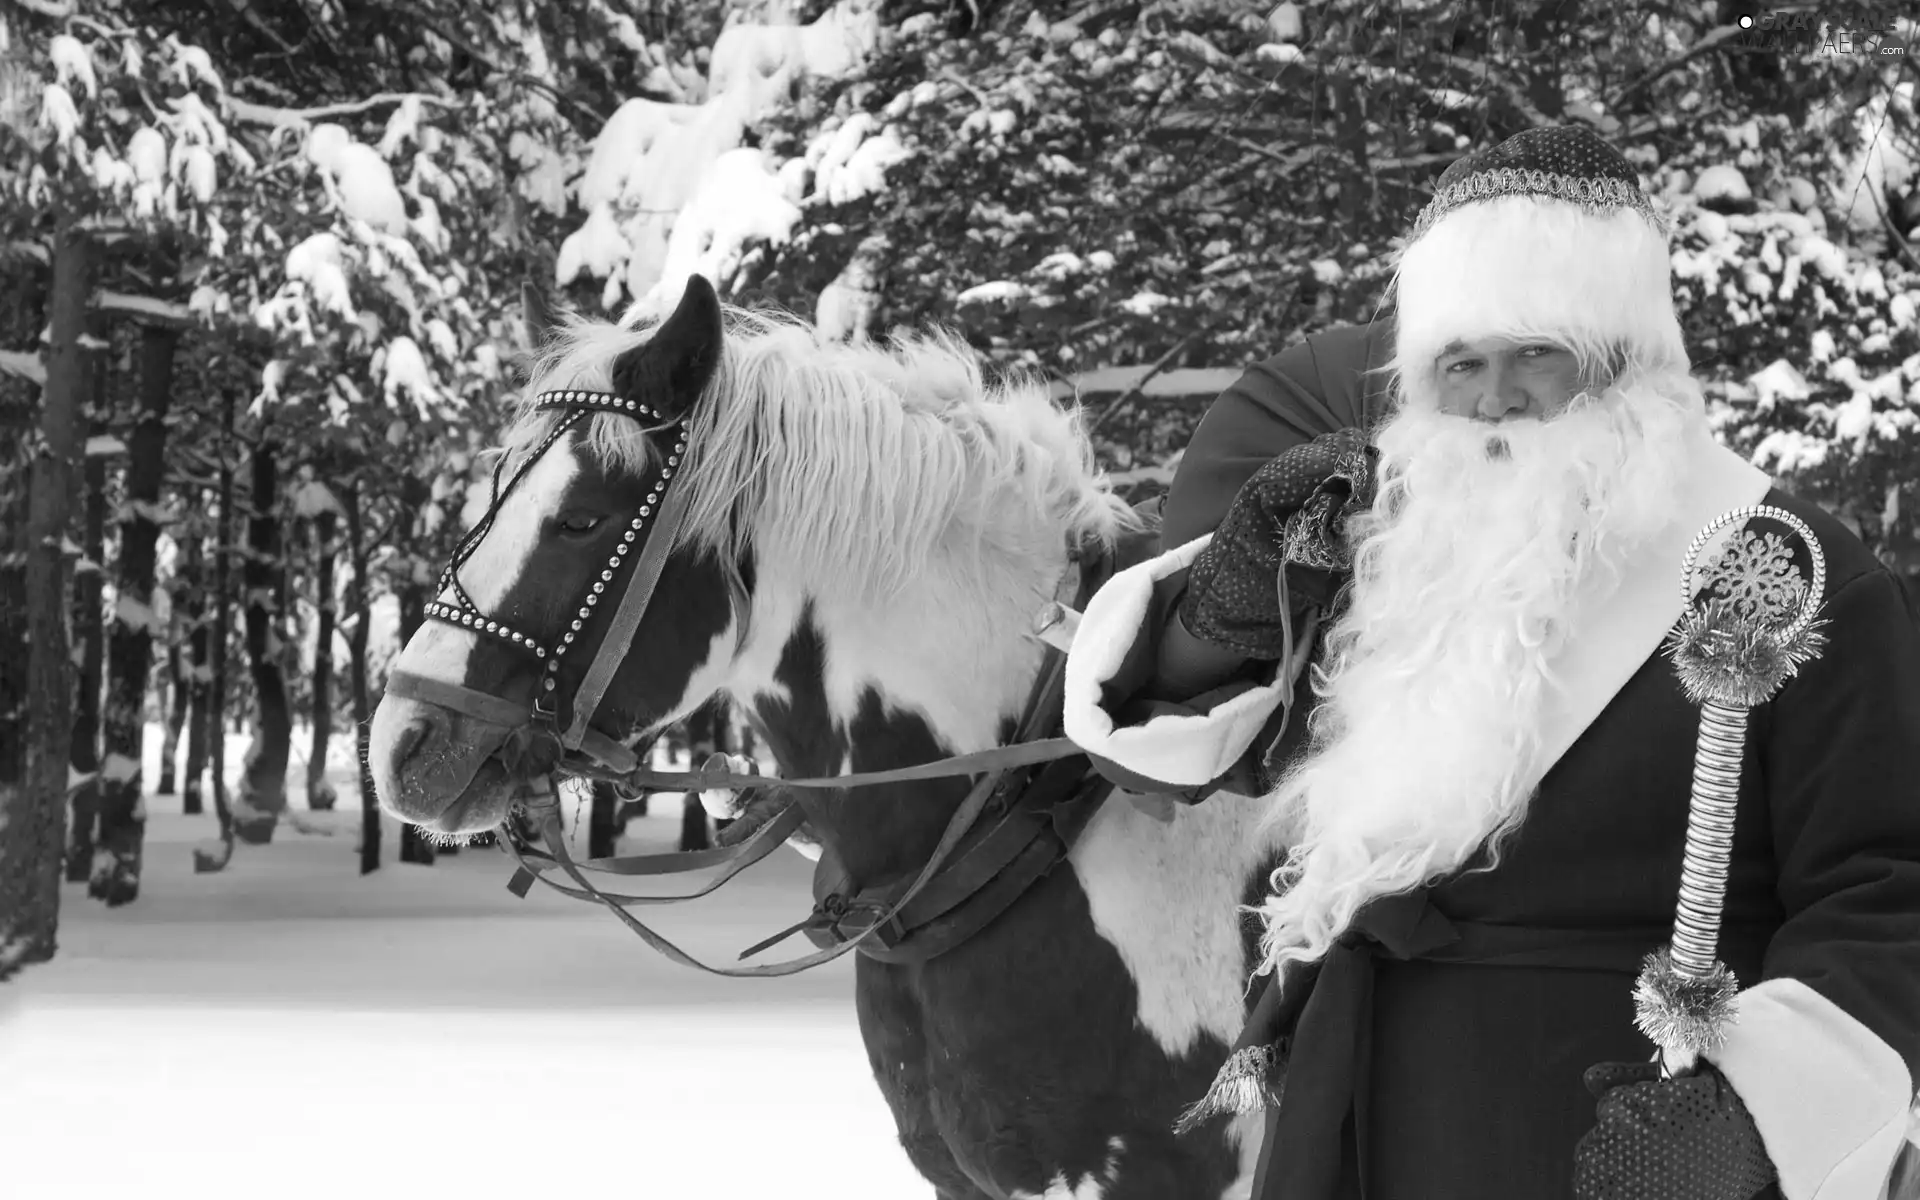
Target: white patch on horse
(1245,1133)
(438,651)
(1167,897)
(501,558)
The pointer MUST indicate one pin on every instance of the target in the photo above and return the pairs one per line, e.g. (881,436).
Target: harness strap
(764,841)
(494,710)
(626,620)
(981,883)
(439,692)
(995,759)
(555,839)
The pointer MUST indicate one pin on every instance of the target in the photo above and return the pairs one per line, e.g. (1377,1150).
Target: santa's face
(1487,526)
(1497,378)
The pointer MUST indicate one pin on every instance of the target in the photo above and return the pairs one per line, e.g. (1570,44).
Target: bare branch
(1711,41)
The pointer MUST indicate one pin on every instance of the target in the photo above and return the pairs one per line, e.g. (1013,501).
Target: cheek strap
(626,621)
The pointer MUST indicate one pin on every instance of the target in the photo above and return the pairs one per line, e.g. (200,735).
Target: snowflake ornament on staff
(1751,623)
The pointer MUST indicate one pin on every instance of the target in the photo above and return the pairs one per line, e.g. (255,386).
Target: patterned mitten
(1293,512)
(1669,1139)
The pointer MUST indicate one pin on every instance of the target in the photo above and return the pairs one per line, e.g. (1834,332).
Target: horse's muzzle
(426,760)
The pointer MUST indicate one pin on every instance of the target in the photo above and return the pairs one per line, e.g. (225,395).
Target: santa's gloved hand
(1669,1139)
(1299,502)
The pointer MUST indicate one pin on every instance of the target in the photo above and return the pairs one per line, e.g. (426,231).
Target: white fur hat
(1546,235)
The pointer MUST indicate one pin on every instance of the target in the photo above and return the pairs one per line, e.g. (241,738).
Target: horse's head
(579,551)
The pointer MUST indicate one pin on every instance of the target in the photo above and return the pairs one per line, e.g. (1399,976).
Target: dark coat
(1465,1073)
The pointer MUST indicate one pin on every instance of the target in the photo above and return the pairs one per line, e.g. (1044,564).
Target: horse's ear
(538,311)
(675,365)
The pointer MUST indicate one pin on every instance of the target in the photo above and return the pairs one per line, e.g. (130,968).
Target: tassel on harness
(1252,1078)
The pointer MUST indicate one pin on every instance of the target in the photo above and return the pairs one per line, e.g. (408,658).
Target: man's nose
(1504,396)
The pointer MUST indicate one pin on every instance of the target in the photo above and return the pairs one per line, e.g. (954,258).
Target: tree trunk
(320,794)
(358,606)
(263,785)
(33,813)
(87,580)
(602,820)
(123,811)
(213,859)
(176,717)
(192,608)
(414,847)
(707,733)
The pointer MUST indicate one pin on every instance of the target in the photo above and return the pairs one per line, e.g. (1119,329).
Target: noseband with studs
(461,612)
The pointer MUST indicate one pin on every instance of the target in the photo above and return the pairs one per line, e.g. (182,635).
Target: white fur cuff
(1182,751)
(1830,1097)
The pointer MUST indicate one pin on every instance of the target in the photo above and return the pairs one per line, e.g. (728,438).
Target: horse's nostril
(410,740)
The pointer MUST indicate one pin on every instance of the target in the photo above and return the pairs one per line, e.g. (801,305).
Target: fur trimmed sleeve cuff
(1158,747)
(1832,1099)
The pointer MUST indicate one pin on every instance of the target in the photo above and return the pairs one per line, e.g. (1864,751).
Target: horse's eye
(579,522)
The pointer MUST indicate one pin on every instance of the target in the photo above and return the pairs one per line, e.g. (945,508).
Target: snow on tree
(670,190)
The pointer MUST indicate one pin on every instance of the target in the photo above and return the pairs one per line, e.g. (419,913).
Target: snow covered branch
(24,365)
(262,114)
(59,10)
(147,309)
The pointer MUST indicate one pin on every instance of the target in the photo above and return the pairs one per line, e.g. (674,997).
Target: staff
(1747,631)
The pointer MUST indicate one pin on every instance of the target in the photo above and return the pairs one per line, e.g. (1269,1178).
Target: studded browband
(463,613)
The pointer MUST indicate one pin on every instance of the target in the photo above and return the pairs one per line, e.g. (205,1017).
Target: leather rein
(997,865)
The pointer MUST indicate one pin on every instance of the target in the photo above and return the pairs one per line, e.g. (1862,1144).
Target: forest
(265,262)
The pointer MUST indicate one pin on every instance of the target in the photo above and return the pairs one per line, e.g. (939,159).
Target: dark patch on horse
(799,729)
(1010,1061)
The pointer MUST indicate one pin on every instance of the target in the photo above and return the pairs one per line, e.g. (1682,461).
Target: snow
(191,63)
(319,263)
(1721,182)
(201,174)
(71,62)
(145,308)
(360,177)
(24,365)
(57,112)
(402,126)
(1779,380)
(1143,304)
(852,161)
(999,289)
(1790,450)
(739,201)
(668,187)
(147,157)
(761,61)
(289,1027)
(404,370)
(1283,23)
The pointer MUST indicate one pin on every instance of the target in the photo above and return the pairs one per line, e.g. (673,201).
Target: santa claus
(1480,825)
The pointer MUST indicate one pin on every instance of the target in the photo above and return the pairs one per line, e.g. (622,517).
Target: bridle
(664,509)
(591,753)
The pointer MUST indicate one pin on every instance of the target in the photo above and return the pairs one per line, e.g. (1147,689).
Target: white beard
(1425,743)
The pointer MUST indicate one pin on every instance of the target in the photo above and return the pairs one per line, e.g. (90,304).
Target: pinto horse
(867,533)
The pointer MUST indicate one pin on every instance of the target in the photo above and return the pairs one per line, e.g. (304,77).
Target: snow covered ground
(288,1028)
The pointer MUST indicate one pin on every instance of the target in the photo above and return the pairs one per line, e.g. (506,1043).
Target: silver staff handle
(1685,998)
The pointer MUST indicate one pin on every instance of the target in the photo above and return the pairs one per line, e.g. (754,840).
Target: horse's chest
(1035,1060)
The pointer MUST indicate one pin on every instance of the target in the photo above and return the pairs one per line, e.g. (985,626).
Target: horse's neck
(854,687)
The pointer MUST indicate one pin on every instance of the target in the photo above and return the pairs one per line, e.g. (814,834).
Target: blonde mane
(863,461)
